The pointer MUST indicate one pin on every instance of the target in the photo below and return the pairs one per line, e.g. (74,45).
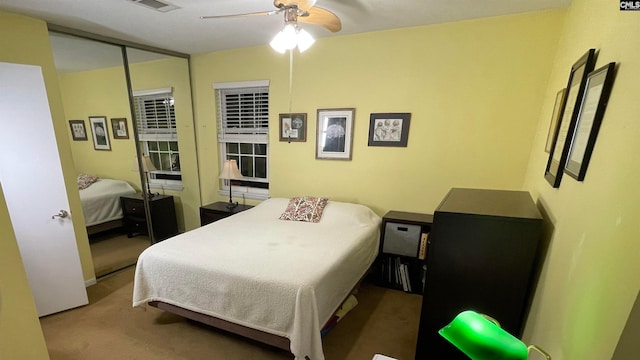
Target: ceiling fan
(294,11)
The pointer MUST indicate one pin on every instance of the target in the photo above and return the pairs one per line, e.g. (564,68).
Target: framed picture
(389,129)
(78,131)
(293,127)
(554,119)
(100,132)
(594,103)
(335,134)
(568,117)
(119,127)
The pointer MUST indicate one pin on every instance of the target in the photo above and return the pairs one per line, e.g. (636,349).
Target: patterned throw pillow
(305,208)
(85,180)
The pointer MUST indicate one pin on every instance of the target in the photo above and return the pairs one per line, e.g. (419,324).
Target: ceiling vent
(156,5)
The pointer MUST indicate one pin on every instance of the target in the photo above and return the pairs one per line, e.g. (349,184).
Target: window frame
(147,135)
(259,135)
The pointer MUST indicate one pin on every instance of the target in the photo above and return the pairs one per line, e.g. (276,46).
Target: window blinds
(155,115)
(242,111)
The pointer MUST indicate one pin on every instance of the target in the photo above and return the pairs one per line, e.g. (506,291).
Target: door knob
(62,214)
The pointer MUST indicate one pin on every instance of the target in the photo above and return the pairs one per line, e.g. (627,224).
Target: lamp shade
(147,164)
(230,170)
(481,339)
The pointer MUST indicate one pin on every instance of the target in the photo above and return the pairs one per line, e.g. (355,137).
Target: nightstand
(163,216)
(219,210)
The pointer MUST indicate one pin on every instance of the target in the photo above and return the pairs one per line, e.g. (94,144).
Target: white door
(34,190)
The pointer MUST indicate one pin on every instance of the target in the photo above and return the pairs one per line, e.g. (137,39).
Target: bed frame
(261,336)
(113,224)
(257,335)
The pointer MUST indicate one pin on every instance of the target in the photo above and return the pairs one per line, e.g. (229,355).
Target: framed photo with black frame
(568,117)
(293,127)
(389,129)
(553,126)
(335,134)
(100,132)
(594,104)
(78,131)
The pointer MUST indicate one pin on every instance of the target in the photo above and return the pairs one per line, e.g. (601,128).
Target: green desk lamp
(483,339)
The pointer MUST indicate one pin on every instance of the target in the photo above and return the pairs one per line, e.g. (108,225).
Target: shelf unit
(401,265)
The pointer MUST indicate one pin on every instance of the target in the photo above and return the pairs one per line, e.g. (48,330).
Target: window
(156,125)
(243,134)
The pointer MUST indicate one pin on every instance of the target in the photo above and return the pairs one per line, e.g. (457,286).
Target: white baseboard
(90,282)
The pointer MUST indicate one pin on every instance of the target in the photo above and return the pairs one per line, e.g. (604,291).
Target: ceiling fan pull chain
(290,84)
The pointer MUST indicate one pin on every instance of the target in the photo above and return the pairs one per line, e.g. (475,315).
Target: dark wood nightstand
(163,216)
(219,210)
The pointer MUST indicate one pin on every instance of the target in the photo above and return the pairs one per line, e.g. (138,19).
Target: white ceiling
(183,31)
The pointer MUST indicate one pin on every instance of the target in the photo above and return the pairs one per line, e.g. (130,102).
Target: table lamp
(230,172)
(483,339)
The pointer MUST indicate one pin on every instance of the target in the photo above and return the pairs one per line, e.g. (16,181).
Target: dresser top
(504,203)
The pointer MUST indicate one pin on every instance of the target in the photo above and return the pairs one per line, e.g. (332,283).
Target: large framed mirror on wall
(101,81)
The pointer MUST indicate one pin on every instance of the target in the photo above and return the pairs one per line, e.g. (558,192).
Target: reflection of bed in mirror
(271,280)
(101,204)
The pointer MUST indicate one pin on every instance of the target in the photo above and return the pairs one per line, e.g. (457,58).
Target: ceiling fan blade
(322,17)
(302,4)
(242,15)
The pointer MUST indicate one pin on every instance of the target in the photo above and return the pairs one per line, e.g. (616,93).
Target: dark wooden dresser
(482,255)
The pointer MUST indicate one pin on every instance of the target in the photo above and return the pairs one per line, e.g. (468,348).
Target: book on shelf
(403,272)
(422,252)
(407,277)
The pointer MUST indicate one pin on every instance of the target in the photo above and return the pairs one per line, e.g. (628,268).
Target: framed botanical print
(100,132)
(119,127)
(293,127)
(389,129)
(335,134)
(78,131)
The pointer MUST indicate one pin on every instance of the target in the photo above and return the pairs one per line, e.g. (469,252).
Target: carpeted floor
(113,250)
(385,321)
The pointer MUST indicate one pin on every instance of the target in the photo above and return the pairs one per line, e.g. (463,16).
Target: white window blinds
(155,114)
(242,111)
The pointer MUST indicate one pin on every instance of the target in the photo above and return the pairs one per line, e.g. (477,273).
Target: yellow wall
(590,279)
(20,333)
(473,88)
(100,92)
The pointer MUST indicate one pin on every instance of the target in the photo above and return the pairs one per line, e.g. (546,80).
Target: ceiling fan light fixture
(290,37)
(305,40)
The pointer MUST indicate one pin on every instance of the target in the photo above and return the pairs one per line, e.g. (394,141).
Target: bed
(273,280)
(101,204)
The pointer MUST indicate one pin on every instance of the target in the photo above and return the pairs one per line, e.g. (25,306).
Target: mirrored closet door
(131,134)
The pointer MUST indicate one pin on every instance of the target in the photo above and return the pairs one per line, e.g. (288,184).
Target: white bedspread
(101,200)
(282,277)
